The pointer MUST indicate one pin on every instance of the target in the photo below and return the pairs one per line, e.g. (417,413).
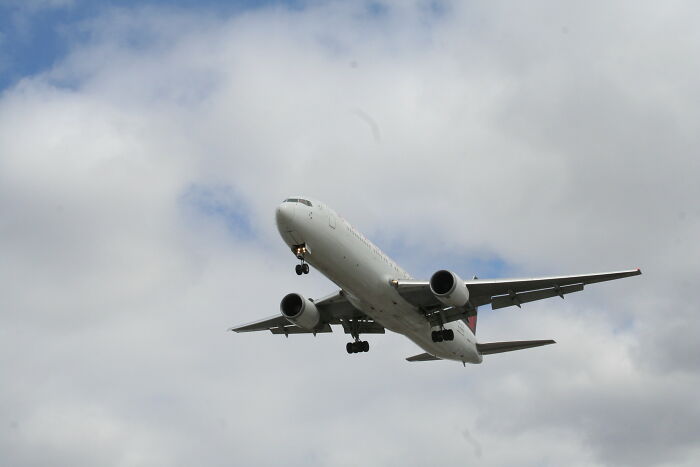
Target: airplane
(439,315)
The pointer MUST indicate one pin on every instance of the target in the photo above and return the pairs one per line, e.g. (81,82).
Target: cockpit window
(298,200)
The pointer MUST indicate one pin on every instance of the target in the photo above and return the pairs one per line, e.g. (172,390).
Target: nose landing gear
(301,268)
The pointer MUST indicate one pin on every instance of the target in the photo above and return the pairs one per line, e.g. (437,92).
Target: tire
(449,335)
(305,268)
(349,347)
(365,346)
(298,269)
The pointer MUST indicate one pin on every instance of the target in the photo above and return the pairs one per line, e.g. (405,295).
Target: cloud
(138,178)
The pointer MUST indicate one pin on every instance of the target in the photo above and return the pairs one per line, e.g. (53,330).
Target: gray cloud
(558,139)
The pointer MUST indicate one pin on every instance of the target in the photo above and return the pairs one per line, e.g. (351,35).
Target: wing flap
(488,348)
(516,299)
(299,330)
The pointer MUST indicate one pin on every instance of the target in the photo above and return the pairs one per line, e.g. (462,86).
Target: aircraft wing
(501,293)
(334,309)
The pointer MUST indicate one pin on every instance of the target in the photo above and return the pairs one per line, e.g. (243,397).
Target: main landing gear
(443,335)
(357,346)
(301,268)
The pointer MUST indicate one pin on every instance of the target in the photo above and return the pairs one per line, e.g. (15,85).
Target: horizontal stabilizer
(500,347)
(424,357)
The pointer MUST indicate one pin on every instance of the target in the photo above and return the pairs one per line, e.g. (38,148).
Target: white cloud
(556,138)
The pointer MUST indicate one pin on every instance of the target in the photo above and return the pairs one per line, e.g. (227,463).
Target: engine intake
(449,288)
(300,311)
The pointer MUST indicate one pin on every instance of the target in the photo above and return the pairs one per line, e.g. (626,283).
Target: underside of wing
(501,293)
(483,290)
(334,309)
(266,324)
(278,325)
(488,348)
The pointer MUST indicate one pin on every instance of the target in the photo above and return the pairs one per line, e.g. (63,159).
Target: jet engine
(300,311)
(449,288)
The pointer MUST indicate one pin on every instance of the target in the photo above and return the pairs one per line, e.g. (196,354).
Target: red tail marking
(471,322)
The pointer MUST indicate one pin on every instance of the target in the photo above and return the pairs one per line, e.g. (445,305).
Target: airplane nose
(285,216)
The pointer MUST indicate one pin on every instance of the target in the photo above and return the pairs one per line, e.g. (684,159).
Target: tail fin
(471,320)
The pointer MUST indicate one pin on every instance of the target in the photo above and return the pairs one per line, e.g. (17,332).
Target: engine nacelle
(300,311)
(449,288)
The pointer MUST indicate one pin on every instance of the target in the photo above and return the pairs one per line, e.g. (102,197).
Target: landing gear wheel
(357,347)
(299,269)
(305,268)
(443,335)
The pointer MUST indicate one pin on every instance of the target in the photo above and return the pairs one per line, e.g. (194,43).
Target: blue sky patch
(421,263)
(221,204)
(35,36)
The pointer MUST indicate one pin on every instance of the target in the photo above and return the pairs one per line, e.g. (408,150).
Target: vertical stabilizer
(471,322)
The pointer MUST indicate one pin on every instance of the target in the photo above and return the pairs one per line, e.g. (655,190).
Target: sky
(145,145)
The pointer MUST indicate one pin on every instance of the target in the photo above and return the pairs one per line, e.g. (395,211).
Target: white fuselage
(364,273)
